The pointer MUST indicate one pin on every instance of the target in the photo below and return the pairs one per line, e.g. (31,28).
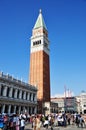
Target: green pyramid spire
(40,21)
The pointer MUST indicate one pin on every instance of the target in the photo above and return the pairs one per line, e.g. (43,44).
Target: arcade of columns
(16,96)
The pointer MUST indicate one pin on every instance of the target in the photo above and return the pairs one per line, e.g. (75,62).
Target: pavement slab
(71,127)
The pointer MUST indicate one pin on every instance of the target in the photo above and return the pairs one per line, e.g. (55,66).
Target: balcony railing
(17,81)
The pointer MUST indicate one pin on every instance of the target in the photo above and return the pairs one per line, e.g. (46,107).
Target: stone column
(25,95)
(9,108)
(35,99)
(19,109)
(10,93)
(28,96)
(20,94)
(15,95)
(14,109)
(5,91)
(31,96)
(3,108)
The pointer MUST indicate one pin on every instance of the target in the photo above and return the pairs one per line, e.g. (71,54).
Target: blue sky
(66,23)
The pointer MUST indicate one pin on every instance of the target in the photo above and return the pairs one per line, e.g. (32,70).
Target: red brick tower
(39,64)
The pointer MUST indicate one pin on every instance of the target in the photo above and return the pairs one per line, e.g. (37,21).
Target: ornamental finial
(40,11)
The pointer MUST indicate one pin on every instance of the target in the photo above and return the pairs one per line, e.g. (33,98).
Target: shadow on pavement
(28,129)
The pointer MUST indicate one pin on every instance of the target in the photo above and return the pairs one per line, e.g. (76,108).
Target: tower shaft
(39,62)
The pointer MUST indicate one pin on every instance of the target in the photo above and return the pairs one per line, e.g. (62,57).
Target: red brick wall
(40,74)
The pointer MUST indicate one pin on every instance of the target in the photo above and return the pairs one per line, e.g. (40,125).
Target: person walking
(52,122)
(22,121)
(46,122)
(17,122)
(34,122)
(38,123)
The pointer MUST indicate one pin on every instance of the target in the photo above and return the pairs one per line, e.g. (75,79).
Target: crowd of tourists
(13,121)
(57,120)
(37,121)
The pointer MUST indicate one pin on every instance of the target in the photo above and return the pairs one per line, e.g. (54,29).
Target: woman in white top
(22,122)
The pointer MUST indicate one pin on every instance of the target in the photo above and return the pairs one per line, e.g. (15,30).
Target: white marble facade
(17,96)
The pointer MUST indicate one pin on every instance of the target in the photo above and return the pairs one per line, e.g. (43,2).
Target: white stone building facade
(83,102)
(60,102)
(67,104)
(78,100)
(17,96)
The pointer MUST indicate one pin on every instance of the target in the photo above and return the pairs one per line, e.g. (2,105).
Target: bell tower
(39,63)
